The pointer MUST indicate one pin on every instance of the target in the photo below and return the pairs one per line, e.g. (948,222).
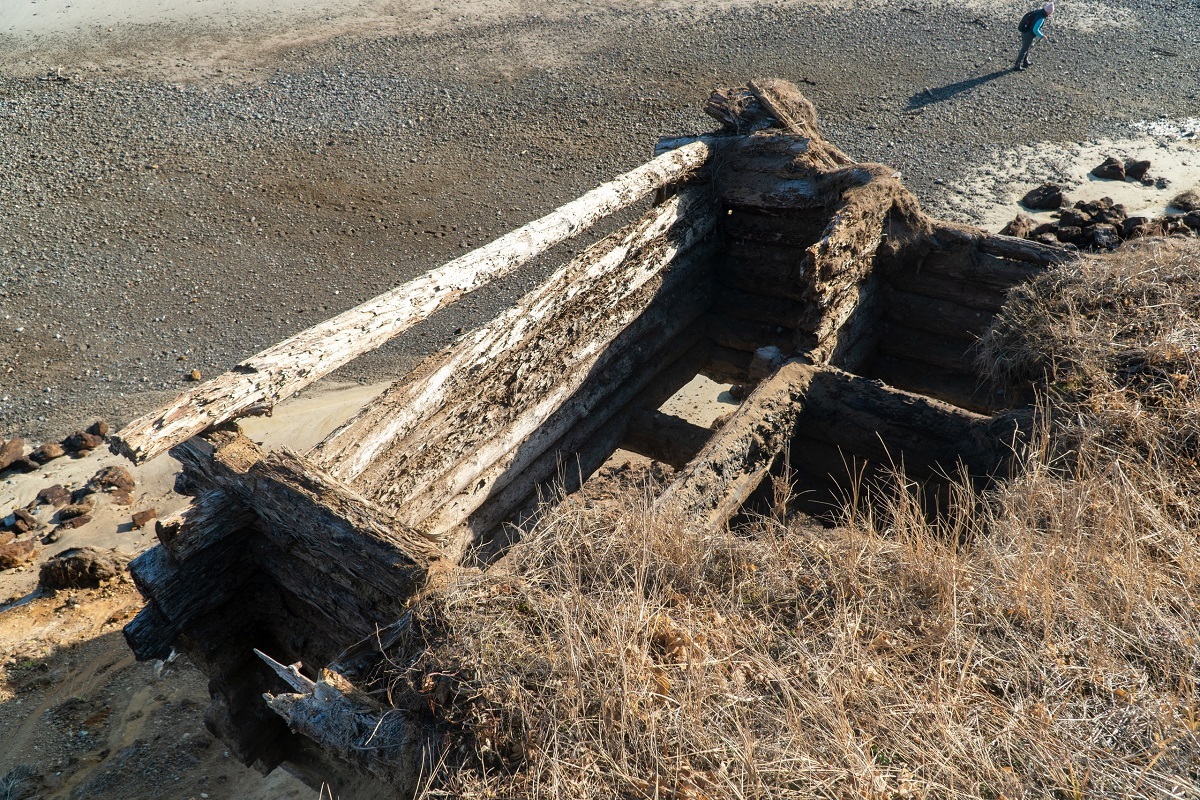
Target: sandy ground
(75,708)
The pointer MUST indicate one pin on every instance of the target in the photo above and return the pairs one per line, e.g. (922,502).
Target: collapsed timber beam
(257,384)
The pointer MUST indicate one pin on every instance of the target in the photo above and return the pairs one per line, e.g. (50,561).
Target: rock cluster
(1100,225)
(1114,169)
(79,443)
(58,508)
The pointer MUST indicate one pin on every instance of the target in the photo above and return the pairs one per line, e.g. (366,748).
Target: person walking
(1032,30)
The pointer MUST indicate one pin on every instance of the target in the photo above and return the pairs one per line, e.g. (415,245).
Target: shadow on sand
(927,97)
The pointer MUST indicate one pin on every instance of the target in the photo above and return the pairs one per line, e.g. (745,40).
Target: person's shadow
(927,97)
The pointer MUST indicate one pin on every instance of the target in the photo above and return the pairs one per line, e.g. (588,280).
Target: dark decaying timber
(770,259)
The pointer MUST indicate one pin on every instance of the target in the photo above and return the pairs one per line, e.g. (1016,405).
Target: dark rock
(194,375)
(98,428)
(81,568)
(1021,226)
(1187,201)
(121,498)
(52,537)
(54,495)
(1114,215)
(113,478)
(1047,237)
(1112,169)
(23,521)
(1136,169)
(1131,224)
(1192,220)
(24,464)
(142,517)
(77,510)
(81,442)
(10,451)
(74,522)
(1070,234)
(48,452)
(1046,197)
(1075,218)
(16,554)
(1104,237)
(1045,227)
(1161,183)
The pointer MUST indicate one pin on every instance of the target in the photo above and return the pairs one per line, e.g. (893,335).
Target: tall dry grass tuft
(1040,640)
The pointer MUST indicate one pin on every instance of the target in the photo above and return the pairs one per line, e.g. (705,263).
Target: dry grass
(1040,641)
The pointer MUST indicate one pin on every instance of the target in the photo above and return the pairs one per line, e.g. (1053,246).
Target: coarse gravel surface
(156,219)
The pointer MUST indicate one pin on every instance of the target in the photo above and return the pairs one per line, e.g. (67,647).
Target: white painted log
(258,383)
(349,451)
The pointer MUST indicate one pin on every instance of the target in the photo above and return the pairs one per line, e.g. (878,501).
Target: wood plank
(615,266)
(1026,250)
(931,285)
(209,580)
(734,462)
(934,315)
(258,383)
(947,352)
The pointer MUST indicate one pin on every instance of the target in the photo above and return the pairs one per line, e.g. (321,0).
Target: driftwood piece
(734,462)
(664,437)
(1026,250)
(150,635)
(261,381)
(612,266)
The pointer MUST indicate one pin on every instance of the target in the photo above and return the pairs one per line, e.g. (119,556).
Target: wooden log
(614,265)
(951,353)
(736,459)
(664,437)
(504,409)
(208,520)
(935,316)
(741,334)
(1010,247)
(795,229)
(210,579)
(957,387)
(771,193)
(758,307)
(854,342)
(319,520)
(604,388)
(150,635)
(979,269)
(931,285)
(278,372)
(587,445)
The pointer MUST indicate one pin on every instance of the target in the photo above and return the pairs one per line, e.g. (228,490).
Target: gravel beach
(175,199)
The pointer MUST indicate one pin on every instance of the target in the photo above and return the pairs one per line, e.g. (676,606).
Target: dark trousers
(1027,40)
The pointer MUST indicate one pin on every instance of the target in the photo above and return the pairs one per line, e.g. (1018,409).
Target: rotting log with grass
(469,590)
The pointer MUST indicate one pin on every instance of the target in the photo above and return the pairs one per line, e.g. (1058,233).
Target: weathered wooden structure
(767,258)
